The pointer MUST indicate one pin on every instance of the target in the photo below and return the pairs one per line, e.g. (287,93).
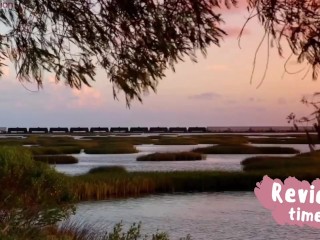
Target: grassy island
(56,159)
(175,156)
(245,149)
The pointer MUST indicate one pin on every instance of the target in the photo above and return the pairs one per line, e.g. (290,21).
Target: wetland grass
(56,159)
(112,148)
(287,139)
(55,150)
(174,156)
(108,169)
(104,185)
(244,149)
(306,164)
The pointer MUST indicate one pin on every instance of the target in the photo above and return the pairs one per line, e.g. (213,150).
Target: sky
(216,91)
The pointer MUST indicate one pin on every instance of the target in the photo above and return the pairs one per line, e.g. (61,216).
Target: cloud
(59,96)
(206,96)
(87,97)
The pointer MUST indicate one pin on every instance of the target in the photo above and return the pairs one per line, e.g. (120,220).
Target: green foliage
(177,156)
(33,195)
(132,234)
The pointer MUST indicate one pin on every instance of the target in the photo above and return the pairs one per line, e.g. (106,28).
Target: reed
(55,150)
(104,185)
(56,159)
(112,148)
(81,231)
(174,156)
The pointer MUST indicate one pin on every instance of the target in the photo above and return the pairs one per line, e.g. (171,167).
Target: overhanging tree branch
(134,41)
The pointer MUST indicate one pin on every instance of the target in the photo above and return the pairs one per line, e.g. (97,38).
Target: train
(141,130)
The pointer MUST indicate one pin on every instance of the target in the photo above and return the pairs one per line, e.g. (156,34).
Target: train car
(139,130)
(79,130)
(99,130)
(178,130)
(197,130)
(59,130)
(158,130)
(17,130)
(38,130)
(119,129)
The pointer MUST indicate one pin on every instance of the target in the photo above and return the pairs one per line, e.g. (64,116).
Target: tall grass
(56,159)
(112,148)
(104,185)
(55,150)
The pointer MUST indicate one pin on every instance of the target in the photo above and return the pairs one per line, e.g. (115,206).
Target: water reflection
(230,215)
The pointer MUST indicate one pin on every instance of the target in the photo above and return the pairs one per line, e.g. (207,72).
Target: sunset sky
(216,91)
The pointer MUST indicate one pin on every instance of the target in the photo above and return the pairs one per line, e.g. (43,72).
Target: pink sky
(216,91)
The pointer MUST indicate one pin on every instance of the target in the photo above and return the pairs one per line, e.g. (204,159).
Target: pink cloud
(87,97)
(60,94)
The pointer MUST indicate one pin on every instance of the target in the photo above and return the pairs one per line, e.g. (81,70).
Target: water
(225,162)
(300,147)
(229,215)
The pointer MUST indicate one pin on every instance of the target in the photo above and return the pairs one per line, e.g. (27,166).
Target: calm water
(229,162)
(206,216)
(230,215)
(301,147)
